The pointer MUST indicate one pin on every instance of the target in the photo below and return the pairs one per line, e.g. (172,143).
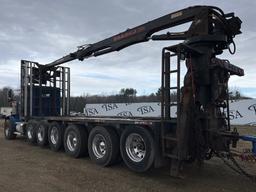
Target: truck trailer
(200,129)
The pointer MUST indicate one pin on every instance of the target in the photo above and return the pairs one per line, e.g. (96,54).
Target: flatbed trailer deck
(104,119)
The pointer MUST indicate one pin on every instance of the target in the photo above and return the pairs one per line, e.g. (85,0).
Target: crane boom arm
(199,15)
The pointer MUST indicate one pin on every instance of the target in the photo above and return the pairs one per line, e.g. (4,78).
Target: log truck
(200,130)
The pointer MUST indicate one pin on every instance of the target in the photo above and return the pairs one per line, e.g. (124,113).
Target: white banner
(241,112)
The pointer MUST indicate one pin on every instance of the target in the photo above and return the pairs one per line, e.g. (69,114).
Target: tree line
(125,95)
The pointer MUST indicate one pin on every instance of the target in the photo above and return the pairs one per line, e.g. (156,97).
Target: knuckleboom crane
(201,128)
(206,20)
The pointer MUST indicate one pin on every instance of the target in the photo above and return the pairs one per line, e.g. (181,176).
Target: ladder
(171,129)
(170,124)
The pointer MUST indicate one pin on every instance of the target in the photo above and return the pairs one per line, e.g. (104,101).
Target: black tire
(31,130)
(55,136)
(108,154)
(42,133)
(8,130)
(137,148)
(75,141)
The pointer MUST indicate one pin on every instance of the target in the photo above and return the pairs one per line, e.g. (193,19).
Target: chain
(235,167)
(250,176)
(192,78)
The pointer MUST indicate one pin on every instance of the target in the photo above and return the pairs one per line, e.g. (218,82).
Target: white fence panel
(241,112)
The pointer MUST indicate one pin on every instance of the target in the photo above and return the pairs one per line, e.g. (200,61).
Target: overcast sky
(45,30)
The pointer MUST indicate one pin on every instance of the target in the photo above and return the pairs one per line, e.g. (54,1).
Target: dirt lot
(33,169)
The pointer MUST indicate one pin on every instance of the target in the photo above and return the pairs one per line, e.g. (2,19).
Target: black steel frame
(29,71)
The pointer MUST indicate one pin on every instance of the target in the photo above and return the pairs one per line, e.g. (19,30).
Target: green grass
(245,130)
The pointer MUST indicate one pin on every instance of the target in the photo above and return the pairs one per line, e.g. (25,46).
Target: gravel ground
(25,168)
